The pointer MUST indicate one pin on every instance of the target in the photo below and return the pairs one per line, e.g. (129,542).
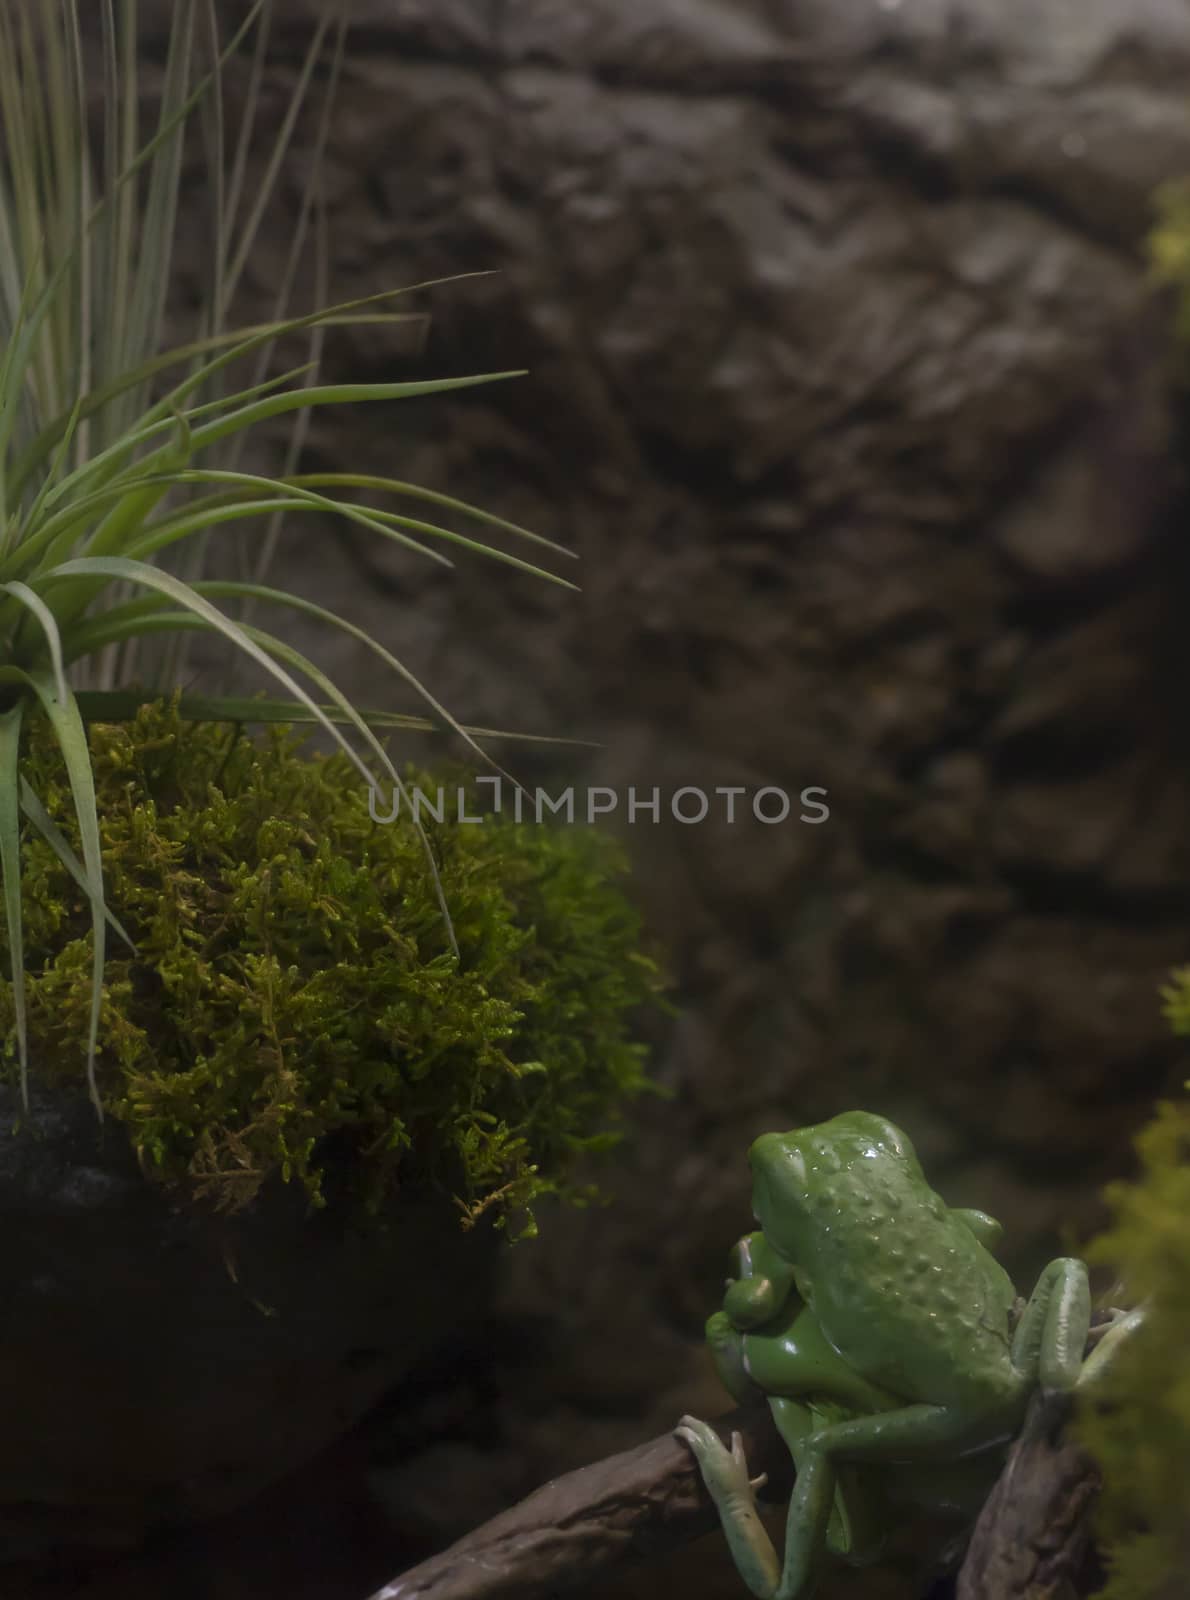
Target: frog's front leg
(986,1229)
(1051,1337)
(725,1474)
(726,1344)
(759,1285)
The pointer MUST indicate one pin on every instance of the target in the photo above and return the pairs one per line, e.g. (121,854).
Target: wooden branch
(598,1520)
(1033,1538)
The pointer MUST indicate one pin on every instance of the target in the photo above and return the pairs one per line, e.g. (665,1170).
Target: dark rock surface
(848,388)
(157,1366)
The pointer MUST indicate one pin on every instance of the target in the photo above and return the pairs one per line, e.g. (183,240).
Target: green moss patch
(1142,1437)
(294,990)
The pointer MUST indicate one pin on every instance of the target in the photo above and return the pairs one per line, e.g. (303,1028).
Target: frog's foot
(724,1471)
(1112,1338)
(1051,1338)
(726,1344)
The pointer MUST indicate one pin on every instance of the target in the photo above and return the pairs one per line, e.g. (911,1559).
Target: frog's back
(904,1290)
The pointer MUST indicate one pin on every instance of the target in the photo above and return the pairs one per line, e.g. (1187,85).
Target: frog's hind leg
(1052,1334)
(808,1523)
(855,1532)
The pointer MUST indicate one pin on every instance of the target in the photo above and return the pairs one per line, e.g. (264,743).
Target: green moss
(293,988)
(1142,1435)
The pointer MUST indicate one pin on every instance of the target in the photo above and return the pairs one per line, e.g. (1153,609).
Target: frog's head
(794,1173)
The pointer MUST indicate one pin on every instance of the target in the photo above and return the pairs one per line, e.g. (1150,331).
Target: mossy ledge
(293,988)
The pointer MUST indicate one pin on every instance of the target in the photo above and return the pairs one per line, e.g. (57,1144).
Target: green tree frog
(890,1344)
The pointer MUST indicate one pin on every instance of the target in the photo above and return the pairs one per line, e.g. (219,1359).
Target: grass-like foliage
(1142,1437)
(118,459)
(294,992)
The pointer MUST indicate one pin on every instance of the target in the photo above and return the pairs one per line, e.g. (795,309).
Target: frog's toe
(720,1332)
(700,1436)
(694,1426)
(737,1455)
(741,1461)
(724,1471)
(1112,1340)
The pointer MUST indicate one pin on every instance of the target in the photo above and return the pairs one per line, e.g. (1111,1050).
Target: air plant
(120,459)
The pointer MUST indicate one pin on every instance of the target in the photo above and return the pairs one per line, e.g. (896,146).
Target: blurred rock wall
(848,389)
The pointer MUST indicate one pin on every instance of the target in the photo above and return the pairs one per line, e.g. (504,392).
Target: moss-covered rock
(293,987)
